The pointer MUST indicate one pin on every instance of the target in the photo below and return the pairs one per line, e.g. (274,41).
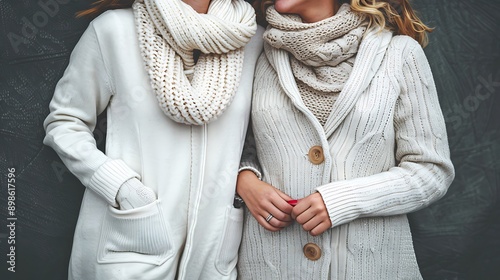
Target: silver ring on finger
(269,217)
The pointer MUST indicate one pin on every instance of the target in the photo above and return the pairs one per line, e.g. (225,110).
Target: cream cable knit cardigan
(386,154)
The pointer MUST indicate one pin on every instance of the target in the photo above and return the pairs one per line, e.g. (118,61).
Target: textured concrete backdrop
(456,238)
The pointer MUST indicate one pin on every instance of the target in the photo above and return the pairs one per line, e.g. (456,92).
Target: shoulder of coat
(115,22)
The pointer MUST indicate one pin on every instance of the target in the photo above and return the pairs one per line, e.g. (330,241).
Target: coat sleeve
(80,96)
(424,171)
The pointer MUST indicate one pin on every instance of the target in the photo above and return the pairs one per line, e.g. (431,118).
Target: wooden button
(312,251)
(316,155)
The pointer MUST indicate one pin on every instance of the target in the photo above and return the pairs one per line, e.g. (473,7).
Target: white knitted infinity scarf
(323,52)
(169,32)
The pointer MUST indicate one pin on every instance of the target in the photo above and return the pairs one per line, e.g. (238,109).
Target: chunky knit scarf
(169,32)
(323,52)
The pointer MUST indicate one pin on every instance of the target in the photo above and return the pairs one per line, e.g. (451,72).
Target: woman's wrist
(245,178)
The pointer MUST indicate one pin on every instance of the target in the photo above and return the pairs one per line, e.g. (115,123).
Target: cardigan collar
(369,58)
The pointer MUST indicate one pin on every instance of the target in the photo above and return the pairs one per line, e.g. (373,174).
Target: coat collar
(369,58)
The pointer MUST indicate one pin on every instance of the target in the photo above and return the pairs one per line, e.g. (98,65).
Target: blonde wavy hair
(395,15)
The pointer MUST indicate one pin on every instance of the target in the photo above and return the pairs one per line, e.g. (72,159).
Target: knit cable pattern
(323,53)
(327,42)
(169,32)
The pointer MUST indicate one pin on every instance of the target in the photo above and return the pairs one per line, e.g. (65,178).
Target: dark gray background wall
(456,238)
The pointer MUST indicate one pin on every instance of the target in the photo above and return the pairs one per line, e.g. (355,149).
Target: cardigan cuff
(108,179)
(253,169)
(341,205)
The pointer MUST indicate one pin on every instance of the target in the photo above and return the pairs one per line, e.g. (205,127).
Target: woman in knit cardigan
(175,78)
(348,137)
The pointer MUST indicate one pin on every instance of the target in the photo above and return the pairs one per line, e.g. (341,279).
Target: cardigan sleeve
(424,171)
(80,96)
(249,160)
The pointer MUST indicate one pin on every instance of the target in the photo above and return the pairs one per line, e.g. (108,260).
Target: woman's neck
(201,6)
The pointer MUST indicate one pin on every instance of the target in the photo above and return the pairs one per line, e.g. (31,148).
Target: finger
(283,206)
(302,206)
(273,221)
(313,202)
(312,223)
(279,224)
(262,221)
(279,214)
(283,195)
(319,229)
(267,206)
(282,203)
(305,216)
(280,208)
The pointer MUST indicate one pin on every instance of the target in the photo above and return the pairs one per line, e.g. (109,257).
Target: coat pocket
(230,241)
(139,235)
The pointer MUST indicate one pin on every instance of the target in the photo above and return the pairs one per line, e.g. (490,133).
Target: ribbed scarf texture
(323,52)
(169,31)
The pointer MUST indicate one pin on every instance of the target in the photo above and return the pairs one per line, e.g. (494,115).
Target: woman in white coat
(158,202)
(349,138)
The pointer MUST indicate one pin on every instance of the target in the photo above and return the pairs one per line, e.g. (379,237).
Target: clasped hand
(263,200)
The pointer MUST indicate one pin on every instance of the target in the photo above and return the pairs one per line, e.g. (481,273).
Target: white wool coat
(385,155)
(192,231)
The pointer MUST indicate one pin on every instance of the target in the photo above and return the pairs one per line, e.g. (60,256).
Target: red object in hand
(292,202)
